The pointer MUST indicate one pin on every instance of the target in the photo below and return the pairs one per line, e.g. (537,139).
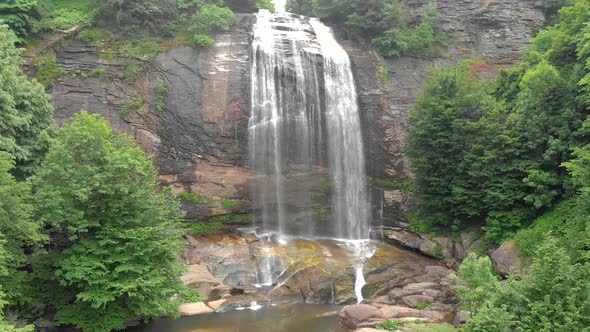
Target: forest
(90,239)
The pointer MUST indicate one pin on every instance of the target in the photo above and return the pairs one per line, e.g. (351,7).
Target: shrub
(389,325)
(47,70)
(203,41)
(212,18)
(143,49)
(230,203)
(201,228)
(423,305)
(161,93)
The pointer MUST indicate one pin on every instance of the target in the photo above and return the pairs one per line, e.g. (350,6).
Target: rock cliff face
(495,31)
(190,109)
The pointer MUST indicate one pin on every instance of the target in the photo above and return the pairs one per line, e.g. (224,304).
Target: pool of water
(288,318)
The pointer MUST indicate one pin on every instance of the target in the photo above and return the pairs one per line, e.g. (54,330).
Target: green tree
(4,271)
(20,15)
(139,16)
(553,295)
(19,230)
(26,116)
(114,241)
(475,282)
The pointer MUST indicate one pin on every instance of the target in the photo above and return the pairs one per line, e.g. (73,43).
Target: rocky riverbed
(234,270)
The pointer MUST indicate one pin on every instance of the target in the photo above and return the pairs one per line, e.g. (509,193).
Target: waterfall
(347,159)
(305,131)
(305,139)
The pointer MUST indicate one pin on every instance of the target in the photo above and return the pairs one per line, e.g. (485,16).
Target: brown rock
(506,259)
(353,315)
(192,309)
(460,318)
(414,300)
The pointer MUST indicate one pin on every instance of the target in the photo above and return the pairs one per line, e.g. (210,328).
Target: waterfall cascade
(305,131)
(305,138)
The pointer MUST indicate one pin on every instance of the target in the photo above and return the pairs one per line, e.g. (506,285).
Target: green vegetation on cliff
(26,116)
(499,152)
(385,22)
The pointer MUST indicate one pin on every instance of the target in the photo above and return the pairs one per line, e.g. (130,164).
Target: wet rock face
(311,271)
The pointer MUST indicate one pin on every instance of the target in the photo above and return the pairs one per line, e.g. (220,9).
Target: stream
(288,318)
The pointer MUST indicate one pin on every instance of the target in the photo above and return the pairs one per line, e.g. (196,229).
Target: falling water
(347,159)
(304,134)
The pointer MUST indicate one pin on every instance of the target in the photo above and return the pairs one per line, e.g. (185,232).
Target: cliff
(190,108)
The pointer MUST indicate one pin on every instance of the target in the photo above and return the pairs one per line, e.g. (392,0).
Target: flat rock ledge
(364,317)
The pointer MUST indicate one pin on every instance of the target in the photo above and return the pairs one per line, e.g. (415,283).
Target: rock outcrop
(199,136)
(506,258)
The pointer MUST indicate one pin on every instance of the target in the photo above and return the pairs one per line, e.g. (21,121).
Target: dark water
(290,318)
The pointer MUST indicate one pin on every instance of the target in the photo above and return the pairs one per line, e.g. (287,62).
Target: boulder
(414,300)
(192,309)
(506,258)
(353,315)
(460,318)
(411,240)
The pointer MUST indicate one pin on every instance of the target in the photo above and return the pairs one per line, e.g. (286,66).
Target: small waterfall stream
(305,138)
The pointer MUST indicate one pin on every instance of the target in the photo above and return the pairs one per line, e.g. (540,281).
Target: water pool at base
(287,318)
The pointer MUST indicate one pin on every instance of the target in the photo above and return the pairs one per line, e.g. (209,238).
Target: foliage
(161,93)
(552,296)
(143,49)
(47,71)
(475,282)
(229,203)
(113,237)
(4,272)
(190,197)
(188,295)
(131,106)
(383,74)
(383,21)
(390,325)
(136,17)
(203,41)
(65,14)
(497,151)
(20,15)
(265,4)
(26,116)
(423,305)
(19,229)
(425,327)
(95,36)
(201,228)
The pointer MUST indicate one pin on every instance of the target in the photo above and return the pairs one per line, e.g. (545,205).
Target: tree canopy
(113,237)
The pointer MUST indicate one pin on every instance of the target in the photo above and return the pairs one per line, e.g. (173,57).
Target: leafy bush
(187,295)
(96,36)
(265,4)
(143,49)
(389,325)
(26,116)
(229,203)
(423,305)
(47,70)
(551,296)
(475,282)
(200,228)
(20,15)
(212,18)
(161,93)
(131,106)
(203,41)
(65,14)
(190,197)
